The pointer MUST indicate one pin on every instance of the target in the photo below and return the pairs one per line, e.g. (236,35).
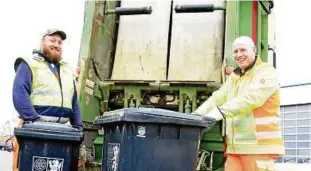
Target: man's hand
(229,70)
(78,128)
(36,119)
(211,118)
(210,122)
(33,120)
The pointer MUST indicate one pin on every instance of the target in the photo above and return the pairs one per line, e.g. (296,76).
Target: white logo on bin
(40,164)
(47,164)
(113,156)
(141,131)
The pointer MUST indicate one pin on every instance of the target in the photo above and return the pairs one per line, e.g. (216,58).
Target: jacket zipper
(60,85)
(232,138)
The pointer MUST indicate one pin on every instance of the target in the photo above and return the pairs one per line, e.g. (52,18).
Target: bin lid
(150,115)
(48,130)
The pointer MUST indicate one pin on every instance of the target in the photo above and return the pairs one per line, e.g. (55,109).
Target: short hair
(245,40)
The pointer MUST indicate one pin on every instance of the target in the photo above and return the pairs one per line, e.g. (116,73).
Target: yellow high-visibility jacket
(48,91)
(250,103)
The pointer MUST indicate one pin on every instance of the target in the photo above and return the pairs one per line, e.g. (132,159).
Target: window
(289,123)
(303,145)
(290,137)
(303,129)
(303,137)
(290,108)
(304,107)
(304,122)
(296,129)
(290,152)
(303,114)
(291,144)
(290,115)
(303,152)
(291,130)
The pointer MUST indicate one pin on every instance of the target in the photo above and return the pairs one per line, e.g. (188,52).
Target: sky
(292,37)
(22,23)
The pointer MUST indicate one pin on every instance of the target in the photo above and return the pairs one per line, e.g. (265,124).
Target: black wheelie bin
(150,139)
(48,147)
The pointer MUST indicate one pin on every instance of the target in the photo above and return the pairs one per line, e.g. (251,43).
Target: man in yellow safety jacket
(44,87)
(249,103)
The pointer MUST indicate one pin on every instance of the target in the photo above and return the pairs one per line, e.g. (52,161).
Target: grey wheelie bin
(149,139)
(48,147)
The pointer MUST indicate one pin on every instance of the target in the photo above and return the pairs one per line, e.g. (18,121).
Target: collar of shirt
(239,72)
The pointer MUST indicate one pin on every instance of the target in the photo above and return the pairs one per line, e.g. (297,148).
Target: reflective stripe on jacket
(46,88)
(250,104)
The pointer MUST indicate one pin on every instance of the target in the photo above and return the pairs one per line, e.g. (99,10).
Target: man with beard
(44,87)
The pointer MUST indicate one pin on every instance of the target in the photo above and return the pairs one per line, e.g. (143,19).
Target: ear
(254,49)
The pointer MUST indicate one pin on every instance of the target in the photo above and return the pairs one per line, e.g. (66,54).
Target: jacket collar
(39,56)
(239,72)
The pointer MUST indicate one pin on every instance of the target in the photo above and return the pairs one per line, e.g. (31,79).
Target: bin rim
(49,131)
(150,115)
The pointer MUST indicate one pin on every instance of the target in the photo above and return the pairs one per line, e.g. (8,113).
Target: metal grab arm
(196,8)
(130,11)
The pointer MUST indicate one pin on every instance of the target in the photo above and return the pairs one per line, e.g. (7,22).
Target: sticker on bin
(47,164)
(141,131)
(113,156)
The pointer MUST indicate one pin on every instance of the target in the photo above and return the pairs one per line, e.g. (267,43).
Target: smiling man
(249,103)
(44,86)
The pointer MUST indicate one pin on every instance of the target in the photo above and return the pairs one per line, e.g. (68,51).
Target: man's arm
(21,93)
(75,120)
(218,98)
(263,86)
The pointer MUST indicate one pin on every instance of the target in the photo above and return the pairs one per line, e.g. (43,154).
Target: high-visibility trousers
(260,162)
(16,148)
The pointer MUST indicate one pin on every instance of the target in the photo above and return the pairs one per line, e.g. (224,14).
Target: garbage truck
(166,54)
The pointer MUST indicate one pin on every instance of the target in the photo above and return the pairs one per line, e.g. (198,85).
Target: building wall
(296,94)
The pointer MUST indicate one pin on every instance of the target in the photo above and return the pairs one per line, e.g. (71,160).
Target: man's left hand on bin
(36,119)
(28,121)
(78,128)
(211,118)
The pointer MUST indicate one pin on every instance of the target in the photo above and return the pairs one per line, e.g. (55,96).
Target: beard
(52,54)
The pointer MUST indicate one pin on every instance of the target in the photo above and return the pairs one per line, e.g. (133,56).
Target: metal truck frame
(98,92)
